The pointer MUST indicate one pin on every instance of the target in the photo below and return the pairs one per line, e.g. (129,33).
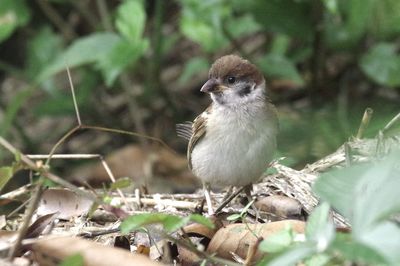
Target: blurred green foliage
(367,196)
(336,55)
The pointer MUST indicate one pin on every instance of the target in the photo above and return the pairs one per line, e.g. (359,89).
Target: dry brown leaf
(37,227)
(67,203)
(237,238)
(280,206)
(49,252)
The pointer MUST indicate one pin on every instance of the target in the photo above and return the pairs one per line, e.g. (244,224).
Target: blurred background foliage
(138,65)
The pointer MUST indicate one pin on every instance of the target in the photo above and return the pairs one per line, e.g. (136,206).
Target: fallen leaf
(237,238)
(280,207)
(64,202)
(51,251)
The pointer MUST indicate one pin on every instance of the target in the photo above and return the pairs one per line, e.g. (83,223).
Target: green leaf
(85,50)
(169,222)
(348,27)
(202,33)
(291,256)
(120,57)
(355,252)
(13,14)
(42,49)
(6,173)
(234,217)
(278,66)
(338,188)
(320,228)
(285,16)
(131,18)
(385,240)
(382,64)
(277,242)
(123,182)
(73,260)
(367,195)
(202,220)
(318,260)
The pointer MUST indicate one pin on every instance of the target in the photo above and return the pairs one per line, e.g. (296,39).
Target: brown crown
(233,65)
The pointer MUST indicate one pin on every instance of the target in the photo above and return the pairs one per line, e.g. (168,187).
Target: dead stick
(364,122)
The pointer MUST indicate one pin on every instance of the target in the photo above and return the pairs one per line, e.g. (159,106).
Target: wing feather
(198,132)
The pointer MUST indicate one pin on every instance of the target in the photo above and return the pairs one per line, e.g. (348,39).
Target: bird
(233,141)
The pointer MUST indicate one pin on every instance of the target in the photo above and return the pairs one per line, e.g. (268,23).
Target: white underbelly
(233,157)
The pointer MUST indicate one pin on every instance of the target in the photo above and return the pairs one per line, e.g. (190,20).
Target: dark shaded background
(138,66)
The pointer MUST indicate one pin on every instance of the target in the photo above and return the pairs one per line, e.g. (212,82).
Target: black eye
(231,80)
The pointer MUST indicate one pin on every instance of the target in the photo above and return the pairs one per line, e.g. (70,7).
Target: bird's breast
(236,149)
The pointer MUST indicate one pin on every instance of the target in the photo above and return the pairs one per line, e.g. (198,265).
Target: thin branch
(44,172)
(27,219)
(111,176)
(392,123)
(53,150)
(63,156)
(119,131)
(71,85)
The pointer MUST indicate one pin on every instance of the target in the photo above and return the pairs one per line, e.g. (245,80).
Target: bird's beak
(212,85)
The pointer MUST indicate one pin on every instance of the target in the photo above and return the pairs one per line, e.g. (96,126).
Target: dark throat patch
(244,91)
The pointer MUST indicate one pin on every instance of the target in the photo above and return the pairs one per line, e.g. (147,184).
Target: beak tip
(209,86)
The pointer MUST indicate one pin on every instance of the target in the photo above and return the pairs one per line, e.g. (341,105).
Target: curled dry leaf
(37,227)
(8,238)
(237,238)
(67,203)
(198,234)
(280,207)
(51,251)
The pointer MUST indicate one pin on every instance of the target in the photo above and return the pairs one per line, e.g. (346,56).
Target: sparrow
(232,142)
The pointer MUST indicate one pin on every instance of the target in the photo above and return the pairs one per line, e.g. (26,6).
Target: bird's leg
(247,190)
(228,193)
(229,199)
(206,188)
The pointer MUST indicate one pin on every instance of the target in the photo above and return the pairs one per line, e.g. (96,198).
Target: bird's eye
(231,80)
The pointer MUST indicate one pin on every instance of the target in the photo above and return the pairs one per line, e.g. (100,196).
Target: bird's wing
(185,130)
(198,132)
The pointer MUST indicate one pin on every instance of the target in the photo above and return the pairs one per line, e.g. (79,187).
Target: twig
(392,123)
(71,84)
(229,199)
(45,172)
(251,252)
(112,178)
(28,216)
(16,193)
(364,122)
(119,131)
(53,150)
(63,156)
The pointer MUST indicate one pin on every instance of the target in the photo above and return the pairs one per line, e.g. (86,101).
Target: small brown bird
(232,142)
